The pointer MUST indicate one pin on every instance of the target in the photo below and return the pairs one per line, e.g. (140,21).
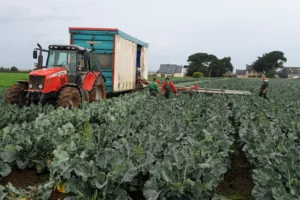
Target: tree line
(11,69)
(211,66)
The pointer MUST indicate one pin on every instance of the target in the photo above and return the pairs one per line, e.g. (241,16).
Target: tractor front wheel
(13,93)
(69,97)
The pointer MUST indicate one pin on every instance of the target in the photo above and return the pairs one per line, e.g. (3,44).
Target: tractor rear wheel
(13,93)
(69,97)
(99,90)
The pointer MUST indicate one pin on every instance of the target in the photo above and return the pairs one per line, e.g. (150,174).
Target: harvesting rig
(195,88)
(71,76)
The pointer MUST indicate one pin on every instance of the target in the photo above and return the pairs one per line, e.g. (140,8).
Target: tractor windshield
(62,58)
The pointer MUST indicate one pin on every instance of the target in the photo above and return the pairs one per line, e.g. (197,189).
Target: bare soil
(238,183)
(28,177)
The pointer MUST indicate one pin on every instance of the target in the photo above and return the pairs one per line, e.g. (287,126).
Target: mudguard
(22,81)
(89,80)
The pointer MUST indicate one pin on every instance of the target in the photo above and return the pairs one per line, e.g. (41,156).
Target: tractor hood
(49,72)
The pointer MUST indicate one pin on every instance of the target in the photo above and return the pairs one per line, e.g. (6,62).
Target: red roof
(92,29)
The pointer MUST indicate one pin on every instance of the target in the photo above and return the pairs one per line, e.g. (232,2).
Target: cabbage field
(204,146)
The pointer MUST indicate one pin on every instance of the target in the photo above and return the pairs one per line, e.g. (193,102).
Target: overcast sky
(174,29)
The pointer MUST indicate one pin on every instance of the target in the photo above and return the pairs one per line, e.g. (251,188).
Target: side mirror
(34,54)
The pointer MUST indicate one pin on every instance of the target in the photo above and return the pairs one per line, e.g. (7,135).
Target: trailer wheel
(99,90)
(13,93)
(69,97)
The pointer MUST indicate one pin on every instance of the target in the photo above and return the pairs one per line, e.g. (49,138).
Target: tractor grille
(36,81)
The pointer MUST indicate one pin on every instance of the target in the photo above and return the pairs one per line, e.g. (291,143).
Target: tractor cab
(76,60)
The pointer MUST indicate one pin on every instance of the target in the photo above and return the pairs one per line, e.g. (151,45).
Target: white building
(170,70)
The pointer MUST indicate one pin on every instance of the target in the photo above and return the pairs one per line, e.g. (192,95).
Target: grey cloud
(175,29)
(42,18)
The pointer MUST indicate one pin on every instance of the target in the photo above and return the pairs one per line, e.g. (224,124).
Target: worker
(167,87)
(153,88)
(264,87)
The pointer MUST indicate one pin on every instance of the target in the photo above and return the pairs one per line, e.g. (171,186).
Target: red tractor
(71,76)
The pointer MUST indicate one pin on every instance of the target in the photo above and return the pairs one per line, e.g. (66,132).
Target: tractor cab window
(62,58)
(80,62)
(95,61)
(106,60)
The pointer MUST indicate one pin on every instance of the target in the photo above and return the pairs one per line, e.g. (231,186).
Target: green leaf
(151,190)
(82,170)
(259,192)
(45,190)
(12,188)
(61,162)
(77,187)
(129,172)
(100,180)
(22,164)
(199,188)
(9,153)
(2,193)
(295,187)
(150,159)
(151,194)
(5,169)
(119,194)
(105,158)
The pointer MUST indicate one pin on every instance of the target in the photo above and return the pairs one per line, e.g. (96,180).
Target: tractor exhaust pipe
(40,57)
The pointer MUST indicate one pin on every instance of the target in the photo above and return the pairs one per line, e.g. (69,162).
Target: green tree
(198,75)
(200,62)
(269,61)
(14,69)
(271,73)
(222,66)
(208,64)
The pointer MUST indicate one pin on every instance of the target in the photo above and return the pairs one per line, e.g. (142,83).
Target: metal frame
(195,88)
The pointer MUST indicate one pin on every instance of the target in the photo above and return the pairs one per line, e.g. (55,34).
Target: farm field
(8,78)
(205,146)
(177,79)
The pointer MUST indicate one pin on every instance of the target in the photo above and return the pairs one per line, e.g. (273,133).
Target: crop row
(131,144)
(269,131)
(176,148)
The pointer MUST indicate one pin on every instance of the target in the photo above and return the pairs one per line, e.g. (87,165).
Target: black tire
(69,97)
(13,93)
(99,90)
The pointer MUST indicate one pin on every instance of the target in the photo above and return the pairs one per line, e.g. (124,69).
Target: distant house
(289,72)
(170,70)
(249,72)
(240,73)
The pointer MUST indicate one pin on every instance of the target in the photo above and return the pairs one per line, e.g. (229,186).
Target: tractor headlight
(30,85)
(40,86)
